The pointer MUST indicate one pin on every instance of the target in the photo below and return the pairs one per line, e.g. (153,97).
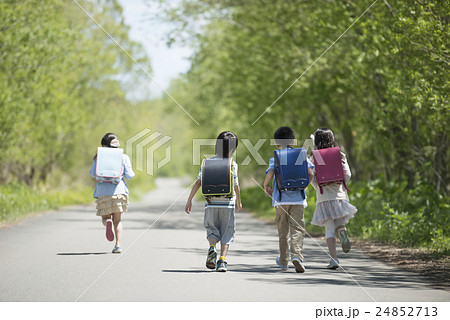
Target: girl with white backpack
(109,167)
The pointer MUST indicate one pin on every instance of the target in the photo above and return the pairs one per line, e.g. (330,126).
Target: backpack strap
(321,189)
(345,186)
(303,193)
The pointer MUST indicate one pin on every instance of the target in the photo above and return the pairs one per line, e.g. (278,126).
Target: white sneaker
(282,267)
(299,267)
(345,241)
(334,264)
(117,250)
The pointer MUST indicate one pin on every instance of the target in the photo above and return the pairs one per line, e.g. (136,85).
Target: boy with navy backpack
(291,172)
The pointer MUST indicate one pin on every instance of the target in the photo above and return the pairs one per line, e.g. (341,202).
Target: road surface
(64,256)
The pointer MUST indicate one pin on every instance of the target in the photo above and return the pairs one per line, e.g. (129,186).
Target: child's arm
(92,171)
(311,174)
(312,178)
(238,198)
(128,170)
(267,188)
(313,182)
(345,166)
(194,190)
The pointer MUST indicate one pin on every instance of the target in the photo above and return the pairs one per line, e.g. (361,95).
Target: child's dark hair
(324,138)
(106,141)
(226,144)
(284,136)
(107,138)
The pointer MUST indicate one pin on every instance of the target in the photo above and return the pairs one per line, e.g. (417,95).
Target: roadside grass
(387,212)
(19,201)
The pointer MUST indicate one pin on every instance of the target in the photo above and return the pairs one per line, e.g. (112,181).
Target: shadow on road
(188,271)
(80,253)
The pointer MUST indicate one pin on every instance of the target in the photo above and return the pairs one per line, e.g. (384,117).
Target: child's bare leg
(117,220)
(224,250)
(104,218)
(331,243)
(212,241)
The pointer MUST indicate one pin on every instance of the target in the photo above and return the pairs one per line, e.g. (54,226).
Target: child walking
(112,199)
(219,218)
(289,206)
(333,210)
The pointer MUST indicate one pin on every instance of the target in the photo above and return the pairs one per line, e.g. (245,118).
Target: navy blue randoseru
(291,170)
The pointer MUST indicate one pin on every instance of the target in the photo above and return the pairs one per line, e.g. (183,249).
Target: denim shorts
(220,223)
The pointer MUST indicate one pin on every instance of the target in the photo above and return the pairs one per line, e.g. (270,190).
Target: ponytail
(109,140)
(226,144)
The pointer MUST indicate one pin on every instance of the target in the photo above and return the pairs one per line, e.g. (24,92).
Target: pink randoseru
(328,166)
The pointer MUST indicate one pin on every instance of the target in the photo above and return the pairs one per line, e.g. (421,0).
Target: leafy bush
(386,211)
(392,213)
(254,200)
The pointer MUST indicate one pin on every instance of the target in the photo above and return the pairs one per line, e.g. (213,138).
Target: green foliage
(390,212)
(387,212)
(59,87)
(255,201)
(62,87)
(17,200)
(382,88)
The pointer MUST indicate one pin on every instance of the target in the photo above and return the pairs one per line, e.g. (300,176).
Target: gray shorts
(220,223)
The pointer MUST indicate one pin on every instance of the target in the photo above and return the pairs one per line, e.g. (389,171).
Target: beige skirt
(107,205)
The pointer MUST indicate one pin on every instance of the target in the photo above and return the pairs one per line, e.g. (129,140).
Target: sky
(167,63)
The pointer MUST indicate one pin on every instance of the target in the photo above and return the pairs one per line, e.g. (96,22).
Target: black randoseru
(216,176)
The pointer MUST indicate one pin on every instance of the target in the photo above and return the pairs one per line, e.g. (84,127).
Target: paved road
(63,256)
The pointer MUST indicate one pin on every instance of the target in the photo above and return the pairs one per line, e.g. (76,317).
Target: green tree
(60,83)
(381,88)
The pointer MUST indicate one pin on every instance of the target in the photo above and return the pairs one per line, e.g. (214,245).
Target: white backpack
(109,165)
